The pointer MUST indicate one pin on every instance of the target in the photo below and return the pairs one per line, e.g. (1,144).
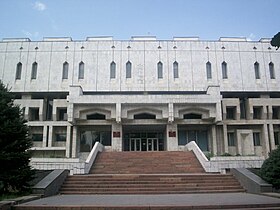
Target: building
(145,94)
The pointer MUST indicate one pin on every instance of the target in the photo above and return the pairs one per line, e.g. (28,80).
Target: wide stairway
(149,173)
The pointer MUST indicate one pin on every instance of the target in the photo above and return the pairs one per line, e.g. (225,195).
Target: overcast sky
(207,19)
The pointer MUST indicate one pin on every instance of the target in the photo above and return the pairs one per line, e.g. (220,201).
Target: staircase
(149,173)
(146,163)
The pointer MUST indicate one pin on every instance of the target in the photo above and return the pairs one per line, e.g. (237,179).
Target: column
(116,136)
(171,137)
(45,135)
(271,137)
(74,142)
(265,141)
(68,141)
(214,139)
(50,140)
(225,138)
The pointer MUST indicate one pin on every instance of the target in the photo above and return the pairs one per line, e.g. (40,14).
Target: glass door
(135,144)
(152,144)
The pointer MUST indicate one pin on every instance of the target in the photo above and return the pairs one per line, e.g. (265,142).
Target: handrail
(192,146)
(98,147)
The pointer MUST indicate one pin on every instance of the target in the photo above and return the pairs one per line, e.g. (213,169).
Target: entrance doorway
(144,137)
(138,144)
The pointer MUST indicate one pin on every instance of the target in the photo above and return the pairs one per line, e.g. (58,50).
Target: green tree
(270,170)
(275,42)
(15,172)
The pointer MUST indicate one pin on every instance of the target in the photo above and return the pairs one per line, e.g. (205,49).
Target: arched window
(34,70)
(176,69)
(81,70)
(271,70)
(96,116)
(144,116)
(65,70)
(128,69)
(224,70)
(160,70)
(18,71)
(192,116)
(257,70)
(113,70)
(208,70)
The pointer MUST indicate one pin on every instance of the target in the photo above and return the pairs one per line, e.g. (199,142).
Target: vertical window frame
(271,70)
(34,70)
(81,70)
(18,71)
(257,70)
(128,69)
(113,67)
(175,70)
(224,70)
(208,70)
(65,69)
(160,70)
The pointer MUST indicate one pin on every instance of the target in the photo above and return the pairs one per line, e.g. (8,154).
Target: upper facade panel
(139,64)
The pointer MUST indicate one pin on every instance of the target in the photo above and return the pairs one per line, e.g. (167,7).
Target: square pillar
(116,137)
(265,141)
(171,137)
(225,138)
(74,142)
(214,140)
(271,137)
(50,140)
(45,135)
(68,141)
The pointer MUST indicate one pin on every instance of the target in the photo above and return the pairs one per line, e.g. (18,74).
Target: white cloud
(39,6)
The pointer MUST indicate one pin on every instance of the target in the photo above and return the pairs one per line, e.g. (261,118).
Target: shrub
(270,170)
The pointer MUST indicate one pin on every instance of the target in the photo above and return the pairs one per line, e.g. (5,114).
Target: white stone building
(145,94)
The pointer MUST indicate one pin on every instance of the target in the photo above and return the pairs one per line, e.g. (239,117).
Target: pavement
(215,200)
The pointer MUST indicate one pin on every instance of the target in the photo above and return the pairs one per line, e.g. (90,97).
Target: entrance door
(138,144)
(135,144)
(152,144)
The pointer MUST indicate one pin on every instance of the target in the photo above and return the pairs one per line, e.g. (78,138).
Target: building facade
(145,94)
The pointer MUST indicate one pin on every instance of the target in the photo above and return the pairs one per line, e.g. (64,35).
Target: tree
(270,169)
(15,172)
(275,42)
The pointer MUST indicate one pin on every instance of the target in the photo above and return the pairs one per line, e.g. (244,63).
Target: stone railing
(220,164)
(92,155)
(72,164)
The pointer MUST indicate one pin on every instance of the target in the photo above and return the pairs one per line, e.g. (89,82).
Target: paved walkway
(233,200)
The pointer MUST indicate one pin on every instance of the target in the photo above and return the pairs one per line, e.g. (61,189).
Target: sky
(165,19)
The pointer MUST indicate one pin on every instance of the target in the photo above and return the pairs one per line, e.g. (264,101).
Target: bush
(270,170)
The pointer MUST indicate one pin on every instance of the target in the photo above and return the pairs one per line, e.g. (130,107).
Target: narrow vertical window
(160,70)
(81,70)
(113,70)
(34,70)
(18,71)
(208,70)
(224,70)
(271,70)
(128,69)
(65,70)
(257,70)
(176,69)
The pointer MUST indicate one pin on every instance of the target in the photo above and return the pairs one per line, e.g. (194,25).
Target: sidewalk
(178,201)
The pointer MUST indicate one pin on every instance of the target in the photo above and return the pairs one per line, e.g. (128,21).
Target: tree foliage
(270,170)
(15,172)
(275,42)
